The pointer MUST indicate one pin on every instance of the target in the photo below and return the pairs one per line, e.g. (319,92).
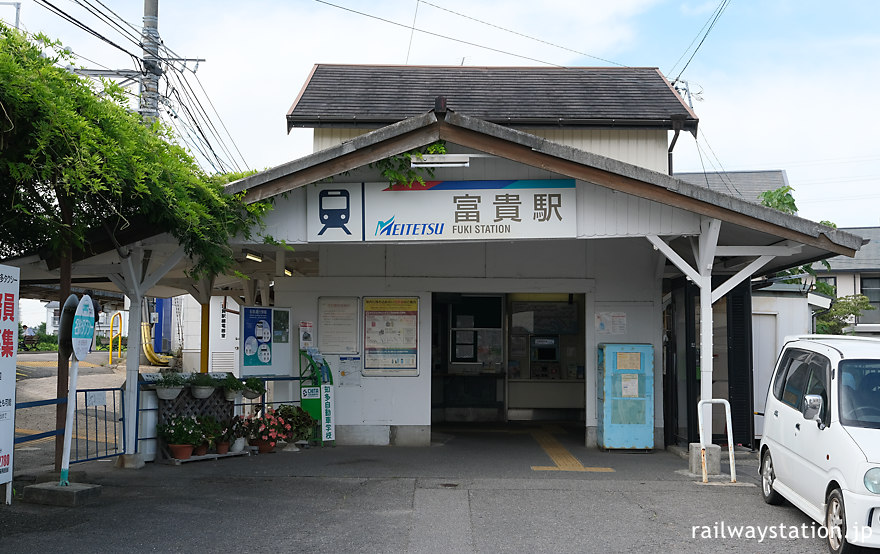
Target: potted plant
(169,384)
(264,431)
(254,388)
(232,386)
(202,385)
(181,434)
(237,433)
(212,431)
(301,422)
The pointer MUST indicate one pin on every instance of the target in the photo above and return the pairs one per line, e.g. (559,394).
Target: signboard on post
(391,336)
(9,284)
(83,328)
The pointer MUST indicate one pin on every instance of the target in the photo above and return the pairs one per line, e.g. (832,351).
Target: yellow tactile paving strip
(559,455)
(53,363)
(564,460)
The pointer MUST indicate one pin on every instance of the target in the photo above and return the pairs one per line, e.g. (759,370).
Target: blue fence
(98,427)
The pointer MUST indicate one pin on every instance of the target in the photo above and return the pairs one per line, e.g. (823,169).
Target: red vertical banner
(9,290)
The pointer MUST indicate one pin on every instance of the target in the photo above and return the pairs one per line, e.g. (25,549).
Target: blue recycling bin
(626,396)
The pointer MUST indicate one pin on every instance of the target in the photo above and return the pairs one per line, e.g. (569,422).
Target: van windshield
(859,393)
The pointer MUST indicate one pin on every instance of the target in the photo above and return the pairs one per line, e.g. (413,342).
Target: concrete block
(713,459)
(71,496)
(592,437)
(411,435)
(363,435)
(130,461)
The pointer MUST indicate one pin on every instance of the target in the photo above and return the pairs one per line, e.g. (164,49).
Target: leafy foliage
(397,169)
(779,199)
(842,314)
(782,200)
(74,159)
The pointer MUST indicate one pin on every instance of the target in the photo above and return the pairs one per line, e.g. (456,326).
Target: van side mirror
(812,408)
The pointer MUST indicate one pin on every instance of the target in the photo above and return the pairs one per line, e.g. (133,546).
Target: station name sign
(442,210)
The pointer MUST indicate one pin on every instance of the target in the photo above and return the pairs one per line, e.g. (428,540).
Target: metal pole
(149,102)
(68,427)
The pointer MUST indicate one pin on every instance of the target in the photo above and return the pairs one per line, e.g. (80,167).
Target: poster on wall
(391,334)
(257,336)
(266,347)
(306,335)
(9,288)
(338,324)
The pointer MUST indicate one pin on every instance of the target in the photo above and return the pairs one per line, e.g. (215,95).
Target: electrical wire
(717,14)
(69,18)
(220,119)
(134,39)
(723,174)
(461,41)
(506,30)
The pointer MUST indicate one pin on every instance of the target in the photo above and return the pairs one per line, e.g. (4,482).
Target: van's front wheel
(835,524)
(768,475)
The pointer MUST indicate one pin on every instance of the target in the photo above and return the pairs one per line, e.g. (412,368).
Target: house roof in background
(746,185)
(866,259)
(377,95)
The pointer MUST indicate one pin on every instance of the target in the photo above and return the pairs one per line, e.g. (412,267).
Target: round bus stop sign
(83,327)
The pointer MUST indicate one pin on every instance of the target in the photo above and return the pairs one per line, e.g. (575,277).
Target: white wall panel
(287,221)
(643,147)
(326,138)
(603,212)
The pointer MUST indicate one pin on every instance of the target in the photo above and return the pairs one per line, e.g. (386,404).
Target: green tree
(74,158)
(842,314)
(781,199)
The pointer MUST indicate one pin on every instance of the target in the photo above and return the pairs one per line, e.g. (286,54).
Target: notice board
(265,344)
(391,336)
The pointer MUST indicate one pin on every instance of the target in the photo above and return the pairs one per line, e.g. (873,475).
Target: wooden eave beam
(525,154)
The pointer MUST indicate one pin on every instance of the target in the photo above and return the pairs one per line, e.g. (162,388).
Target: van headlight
(872,480)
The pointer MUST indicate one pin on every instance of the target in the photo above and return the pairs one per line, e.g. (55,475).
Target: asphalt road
(474,490)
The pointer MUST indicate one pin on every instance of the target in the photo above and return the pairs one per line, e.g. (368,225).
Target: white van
(821,444)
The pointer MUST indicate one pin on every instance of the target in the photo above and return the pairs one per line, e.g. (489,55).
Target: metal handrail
(700,405)
(114,335)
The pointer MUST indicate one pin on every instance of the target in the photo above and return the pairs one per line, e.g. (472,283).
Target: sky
(777,84)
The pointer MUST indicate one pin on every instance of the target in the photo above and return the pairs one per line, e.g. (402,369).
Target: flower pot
(168,393)
(201,449)
(201,392)
(181,451)
(238,444)
(263,447)
(230,395)
(250,394)
(222,447)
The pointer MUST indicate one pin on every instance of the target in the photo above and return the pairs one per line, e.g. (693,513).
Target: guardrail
(726,404)
(97,424)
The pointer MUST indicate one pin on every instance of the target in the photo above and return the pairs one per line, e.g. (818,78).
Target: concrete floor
(475,489)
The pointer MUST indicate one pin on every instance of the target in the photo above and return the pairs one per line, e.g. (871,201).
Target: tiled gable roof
(373,96)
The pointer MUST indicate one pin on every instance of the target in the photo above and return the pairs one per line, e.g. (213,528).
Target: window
(818,383)
(791,360)
(830,281)
(795,381)
(871,289)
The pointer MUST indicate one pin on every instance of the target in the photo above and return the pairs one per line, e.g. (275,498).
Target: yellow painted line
(564,460)
(51,364)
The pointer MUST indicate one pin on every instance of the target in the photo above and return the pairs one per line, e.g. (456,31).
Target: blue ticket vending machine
(626,396)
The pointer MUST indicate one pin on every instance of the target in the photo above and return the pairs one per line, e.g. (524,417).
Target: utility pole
(17,10)
(149,94)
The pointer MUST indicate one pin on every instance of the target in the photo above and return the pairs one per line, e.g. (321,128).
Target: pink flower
(265,438)
(287,427)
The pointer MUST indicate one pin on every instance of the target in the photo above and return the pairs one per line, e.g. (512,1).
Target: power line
(714,19)
(134,39)
(64,15)
(506,30)
(461,41)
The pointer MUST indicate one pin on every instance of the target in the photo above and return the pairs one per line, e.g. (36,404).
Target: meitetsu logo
(391,229)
